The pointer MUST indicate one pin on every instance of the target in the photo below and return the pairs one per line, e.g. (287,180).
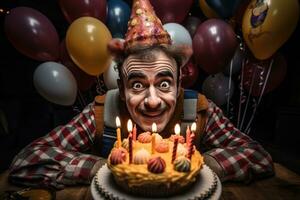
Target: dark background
(25,115)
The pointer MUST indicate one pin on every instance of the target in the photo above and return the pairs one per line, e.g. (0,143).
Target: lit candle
(129,128)
(187,135)
(176,138)
(134,133)
(154,130)
(118,123)
(191,141)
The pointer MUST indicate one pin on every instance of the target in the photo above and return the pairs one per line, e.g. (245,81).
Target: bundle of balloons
(234,37)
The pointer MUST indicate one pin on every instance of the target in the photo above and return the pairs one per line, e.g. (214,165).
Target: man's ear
(121,89)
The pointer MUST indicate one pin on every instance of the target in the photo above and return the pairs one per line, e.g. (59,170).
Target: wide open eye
(164,85)
(137,86)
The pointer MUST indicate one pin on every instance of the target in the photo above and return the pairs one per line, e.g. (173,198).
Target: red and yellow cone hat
(144,27)
(145,30)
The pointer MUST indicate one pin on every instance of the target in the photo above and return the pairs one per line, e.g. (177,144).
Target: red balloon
(80,8)
(258,70)
(84,80)
(214,44)
(171,10)
(32,33)
(189,75)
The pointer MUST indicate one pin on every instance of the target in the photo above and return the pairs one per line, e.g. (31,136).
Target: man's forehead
(137,65)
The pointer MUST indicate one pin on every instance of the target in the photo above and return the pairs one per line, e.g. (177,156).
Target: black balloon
(236,63)
(191,24)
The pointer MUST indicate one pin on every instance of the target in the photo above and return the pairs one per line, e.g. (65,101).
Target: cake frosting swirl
(156,165)
(182,164)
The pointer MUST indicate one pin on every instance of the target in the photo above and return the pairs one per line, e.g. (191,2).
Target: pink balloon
(32,33)
(74,9)
(214,44)
(171,10)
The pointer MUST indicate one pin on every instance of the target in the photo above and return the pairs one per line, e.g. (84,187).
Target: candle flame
(129,125)
(154,128)
(177,129)
(118,122)
(194,126)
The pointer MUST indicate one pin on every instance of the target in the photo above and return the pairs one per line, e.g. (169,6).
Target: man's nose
(152,101)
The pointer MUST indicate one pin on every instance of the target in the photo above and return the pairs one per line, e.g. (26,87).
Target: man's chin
(146,124)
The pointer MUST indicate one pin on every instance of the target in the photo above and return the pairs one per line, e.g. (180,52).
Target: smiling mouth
(153,114)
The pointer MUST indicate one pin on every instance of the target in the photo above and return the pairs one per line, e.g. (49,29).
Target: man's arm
(56,159)
(233,155)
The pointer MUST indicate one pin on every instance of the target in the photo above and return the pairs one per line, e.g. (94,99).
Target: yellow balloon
(86,42)
(207,11)
(267,25)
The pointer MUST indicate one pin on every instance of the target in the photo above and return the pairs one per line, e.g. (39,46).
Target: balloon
(118,15)
(178,34)
(224,8)
(216,88)
(258,70)
(191,23)
(268,24)
(32,33)
(238,16)
(214,44)
(87,40)
(190,74)
(207,11)
(80,8)
(171,10)
(84,81)
(55,83)
(111,75)
(235,63)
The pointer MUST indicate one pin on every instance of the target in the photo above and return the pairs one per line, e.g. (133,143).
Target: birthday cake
(155,167)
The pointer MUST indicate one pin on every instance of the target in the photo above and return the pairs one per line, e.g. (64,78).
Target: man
(149,91)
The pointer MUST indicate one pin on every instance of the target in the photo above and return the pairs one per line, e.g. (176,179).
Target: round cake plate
(208,186)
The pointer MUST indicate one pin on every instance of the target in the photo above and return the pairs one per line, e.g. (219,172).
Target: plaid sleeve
(239,156)
(55,159)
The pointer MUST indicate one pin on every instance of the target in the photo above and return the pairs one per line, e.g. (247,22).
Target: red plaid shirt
(60,157)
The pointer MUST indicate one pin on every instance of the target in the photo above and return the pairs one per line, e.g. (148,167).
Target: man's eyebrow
(132,75)
(164,74)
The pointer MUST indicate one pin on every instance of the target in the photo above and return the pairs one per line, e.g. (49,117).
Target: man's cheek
(133,100)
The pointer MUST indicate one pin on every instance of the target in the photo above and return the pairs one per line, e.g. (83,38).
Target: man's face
(150,90)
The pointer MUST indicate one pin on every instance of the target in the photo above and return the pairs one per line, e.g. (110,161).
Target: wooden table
(284,185)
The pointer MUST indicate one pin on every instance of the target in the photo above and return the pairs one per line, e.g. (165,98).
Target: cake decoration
(182,164)
(181,150)
(162,146)
(145,137)
(181,139)
(156,165)
(141,157)
(117,156)
(125,144)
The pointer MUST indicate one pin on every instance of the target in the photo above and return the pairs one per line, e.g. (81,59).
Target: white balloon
(55,83)
(111,76)
(179,34)
(216,88)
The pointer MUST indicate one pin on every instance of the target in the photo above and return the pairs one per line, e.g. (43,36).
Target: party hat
(144,27)
(146,30)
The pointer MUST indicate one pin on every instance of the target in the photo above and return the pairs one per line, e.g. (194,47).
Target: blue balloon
(224,8)
(118,15)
